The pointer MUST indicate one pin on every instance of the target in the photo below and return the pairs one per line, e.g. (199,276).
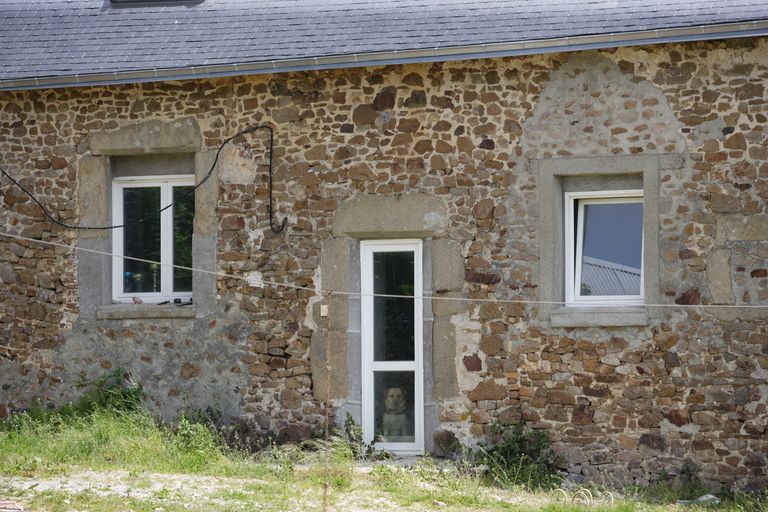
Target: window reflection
(393,329)
(612,247)
(183,216)
(141,239)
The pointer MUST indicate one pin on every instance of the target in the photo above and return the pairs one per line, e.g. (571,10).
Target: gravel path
(184,491)
(163,492)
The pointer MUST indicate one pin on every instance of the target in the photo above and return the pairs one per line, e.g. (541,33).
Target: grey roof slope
(58,38)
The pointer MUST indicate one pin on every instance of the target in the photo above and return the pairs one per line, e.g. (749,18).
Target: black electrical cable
(271,212)
(250,129)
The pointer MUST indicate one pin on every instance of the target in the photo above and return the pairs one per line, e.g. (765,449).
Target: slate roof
(57,38)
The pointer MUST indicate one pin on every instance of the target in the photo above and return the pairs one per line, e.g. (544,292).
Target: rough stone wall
(623,403)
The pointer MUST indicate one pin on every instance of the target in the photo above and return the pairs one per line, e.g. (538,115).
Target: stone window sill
(143,312)
(599,317)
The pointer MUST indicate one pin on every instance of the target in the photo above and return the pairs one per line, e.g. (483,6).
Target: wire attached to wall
(264,283)
(184,193)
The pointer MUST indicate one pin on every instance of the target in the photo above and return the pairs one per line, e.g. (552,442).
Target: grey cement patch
(708,130)
(181,364)
(241,164)
(19,386)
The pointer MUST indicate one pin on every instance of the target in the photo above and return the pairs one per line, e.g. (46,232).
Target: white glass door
(393,388)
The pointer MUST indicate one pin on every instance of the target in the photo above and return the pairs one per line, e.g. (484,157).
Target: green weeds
(108,439)
(519,458)
(109,428)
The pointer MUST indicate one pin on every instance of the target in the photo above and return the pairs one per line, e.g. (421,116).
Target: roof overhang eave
(565,44)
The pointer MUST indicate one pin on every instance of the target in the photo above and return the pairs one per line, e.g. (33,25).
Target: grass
(110,428)
(104,439)
(429,484)
(107,453)
(92,501)
(387,487)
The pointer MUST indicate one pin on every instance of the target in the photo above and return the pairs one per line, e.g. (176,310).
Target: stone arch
(591,107)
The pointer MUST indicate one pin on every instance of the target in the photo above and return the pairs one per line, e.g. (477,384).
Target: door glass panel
(183,216)
(394,406)
(141,239)
(393,328)
(612,249)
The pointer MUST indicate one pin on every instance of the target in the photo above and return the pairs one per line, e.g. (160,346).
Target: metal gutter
(444,54)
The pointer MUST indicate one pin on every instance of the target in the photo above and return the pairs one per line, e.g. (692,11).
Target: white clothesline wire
(262,283)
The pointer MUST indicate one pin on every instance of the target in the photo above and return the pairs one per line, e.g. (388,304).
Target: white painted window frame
(166,183)
(367,250)
(574,241)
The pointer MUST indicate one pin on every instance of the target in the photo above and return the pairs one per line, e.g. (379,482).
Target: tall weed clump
(519,457)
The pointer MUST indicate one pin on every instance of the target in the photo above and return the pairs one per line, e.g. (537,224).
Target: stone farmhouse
(575,193)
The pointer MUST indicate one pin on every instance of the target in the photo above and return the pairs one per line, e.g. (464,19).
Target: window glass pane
(183,215)
(393,329)
(394,407)
(141,239)
(612,249)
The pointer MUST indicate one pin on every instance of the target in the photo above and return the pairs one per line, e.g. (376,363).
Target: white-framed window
(148,234)
(604,248)
(392,345)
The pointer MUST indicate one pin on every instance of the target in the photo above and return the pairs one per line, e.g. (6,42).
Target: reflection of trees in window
(141,239)
(183,217)
(394,328)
